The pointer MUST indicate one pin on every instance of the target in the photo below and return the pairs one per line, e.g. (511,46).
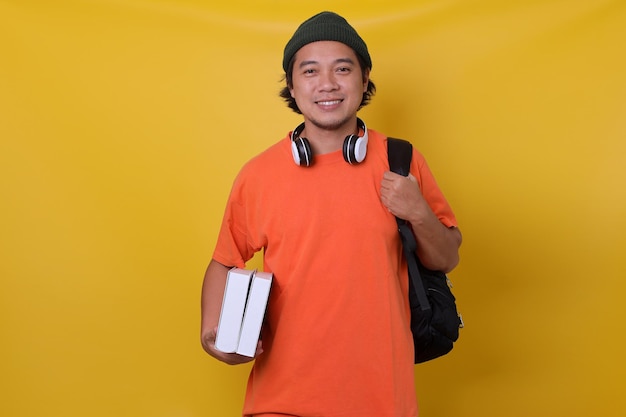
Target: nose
(328,81)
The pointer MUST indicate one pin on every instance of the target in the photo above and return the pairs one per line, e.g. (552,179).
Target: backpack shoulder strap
(400,153)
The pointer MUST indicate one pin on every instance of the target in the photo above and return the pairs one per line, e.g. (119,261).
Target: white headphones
(354,147)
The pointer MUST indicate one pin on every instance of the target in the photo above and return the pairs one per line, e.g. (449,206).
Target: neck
(325,140)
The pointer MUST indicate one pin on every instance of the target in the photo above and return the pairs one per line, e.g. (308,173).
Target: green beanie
(325,26)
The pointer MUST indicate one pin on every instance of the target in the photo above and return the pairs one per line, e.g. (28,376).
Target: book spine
(254,314)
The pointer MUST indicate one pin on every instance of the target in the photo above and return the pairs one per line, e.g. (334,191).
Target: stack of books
(243,309)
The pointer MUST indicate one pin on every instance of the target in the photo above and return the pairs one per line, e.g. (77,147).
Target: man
(321,203)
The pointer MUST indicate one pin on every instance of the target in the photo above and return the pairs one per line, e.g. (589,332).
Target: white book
(255,312)
(233,307)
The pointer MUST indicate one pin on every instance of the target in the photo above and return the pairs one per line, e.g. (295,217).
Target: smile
(328,103)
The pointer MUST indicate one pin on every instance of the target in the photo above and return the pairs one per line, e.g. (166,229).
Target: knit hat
(325,26)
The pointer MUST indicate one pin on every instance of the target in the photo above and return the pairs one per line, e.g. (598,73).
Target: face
(328,84)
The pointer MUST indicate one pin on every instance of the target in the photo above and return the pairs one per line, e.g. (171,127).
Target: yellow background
(123,123)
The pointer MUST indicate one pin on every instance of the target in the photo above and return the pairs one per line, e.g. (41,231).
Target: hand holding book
(228,358)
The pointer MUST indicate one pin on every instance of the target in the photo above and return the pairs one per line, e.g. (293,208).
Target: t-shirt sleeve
(232,247)
(431,191)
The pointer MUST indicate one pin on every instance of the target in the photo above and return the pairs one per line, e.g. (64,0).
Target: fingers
(400,195)
(234,358)
(389,175)
(208,343)
(397,186)
(259,349)
(390,178)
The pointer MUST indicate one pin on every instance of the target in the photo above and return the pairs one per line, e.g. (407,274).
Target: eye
(343,69)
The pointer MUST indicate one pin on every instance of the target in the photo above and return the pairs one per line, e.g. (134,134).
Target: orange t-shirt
(337,341)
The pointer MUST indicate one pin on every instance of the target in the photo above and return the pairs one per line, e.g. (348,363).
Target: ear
(366,79)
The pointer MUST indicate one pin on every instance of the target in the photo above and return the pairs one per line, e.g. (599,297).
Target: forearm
(437,245)
(212,295)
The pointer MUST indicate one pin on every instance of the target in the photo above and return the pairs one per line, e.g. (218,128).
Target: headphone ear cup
(301,151)
(354,149)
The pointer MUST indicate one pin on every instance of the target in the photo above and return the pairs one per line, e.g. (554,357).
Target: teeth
(328,103)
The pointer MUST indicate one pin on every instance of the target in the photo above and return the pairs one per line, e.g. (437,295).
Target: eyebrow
(337,61)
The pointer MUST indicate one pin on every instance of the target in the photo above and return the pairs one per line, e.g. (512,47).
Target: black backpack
(435,321)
